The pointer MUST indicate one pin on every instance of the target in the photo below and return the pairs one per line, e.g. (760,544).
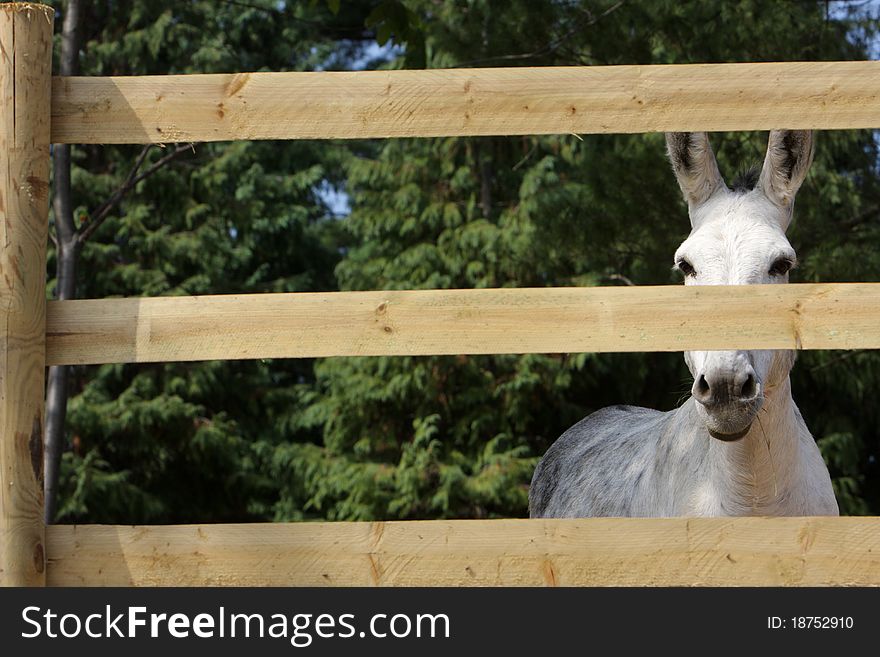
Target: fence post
(25,90)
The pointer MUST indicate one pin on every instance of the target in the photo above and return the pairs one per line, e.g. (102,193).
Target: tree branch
(854,221)
(834,361)
(103,211)
(62,204)
(618,277)
(554,45)
(66,254)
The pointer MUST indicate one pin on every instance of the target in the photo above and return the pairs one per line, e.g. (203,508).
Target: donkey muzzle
(728,399)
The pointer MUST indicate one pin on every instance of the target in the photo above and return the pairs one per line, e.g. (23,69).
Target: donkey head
(737,238)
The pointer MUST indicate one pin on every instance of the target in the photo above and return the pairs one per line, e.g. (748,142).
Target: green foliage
(428,437)
(177,442)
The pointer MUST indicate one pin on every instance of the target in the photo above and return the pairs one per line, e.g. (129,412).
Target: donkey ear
(789,155)
(694,165)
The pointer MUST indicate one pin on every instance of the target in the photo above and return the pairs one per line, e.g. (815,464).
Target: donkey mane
(746,180)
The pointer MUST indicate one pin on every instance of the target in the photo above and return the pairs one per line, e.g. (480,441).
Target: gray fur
(788,159)
(626,461)
(585,472)
(694,165)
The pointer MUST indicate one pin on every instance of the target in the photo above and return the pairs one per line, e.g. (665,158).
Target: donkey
(738,446)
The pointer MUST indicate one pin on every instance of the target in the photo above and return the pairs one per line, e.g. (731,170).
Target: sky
(337,200)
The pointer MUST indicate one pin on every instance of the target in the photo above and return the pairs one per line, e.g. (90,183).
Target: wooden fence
(36,110)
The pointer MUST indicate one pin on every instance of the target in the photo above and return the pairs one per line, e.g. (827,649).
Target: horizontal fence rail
(466,102)
(594,552)
(483,321)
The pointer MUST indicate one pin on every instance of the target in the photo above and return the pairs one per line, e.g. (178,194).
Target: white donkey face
(737,238)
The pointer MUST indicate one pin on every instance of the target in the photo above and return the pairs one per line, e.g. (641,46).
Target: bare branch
(862,217)
(554,45)
(247,5)
(103,211)
(70,39)
(62,203)
(181,148)
(525,157)
(834,361)
(66,254)
(619,277)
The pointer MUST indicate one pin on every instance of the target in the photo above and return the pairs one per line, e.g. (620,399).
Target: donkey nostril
(749,388)
(702,387)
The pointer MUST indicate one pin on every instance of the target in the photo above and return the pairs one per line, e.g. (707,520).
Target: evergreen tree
(426,437)
(458,437)
(176,442)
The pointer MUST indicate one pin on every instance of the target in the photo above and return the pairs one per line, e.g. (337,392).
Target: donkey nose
(718,389)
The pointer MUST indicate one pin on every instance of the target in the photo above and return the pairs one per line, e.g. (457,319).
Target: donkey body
(738,445)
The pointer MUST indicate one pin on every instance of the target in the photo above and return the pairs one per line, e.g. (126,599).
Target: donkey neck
(756,474)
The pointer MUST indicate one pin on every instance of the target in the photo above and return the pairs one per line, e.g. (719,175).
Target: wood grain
(594,552)
(25,83)
(486,321)
(466,102)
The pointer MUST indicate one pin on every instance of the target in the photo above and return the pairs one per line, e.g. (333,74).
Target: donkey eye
(685,267)
(781,267)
